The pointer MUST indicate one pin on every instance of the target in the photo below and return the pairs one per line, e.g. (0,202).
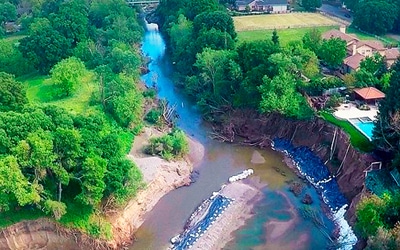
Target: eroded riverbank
(160,178)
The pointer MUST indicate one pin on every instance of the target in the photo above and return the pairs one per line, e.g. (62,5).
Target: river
(277,223)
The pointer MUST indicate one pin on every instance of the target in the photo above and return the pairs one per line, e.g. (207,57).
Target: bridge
(143,2)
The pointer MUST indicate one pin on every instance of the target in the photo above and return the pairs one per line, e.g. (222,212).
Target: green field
(285,35)
(363,36)
(281,21)
(39,89)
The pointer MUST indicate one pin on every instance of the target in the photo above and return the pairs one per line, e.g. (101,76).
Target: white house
(271,6)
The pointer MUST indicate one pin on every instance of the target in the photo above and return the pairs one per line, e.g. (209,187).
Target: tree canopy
(376,16)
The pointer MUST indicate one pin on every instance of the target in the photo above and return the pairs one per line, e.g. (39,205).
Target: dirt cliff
(45,234)
(344,161)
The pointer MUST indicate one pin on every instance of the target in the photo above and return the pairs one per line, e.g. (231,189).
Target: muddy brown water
(277,223)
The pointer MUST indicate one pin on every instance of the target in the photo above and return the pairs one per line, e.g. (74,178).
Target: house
(352,63)
(270,6)
(391,56)
(358,50)
(369,95)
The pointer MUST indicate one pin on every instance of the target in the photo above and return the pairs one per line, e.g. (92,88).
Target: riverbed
(277,222)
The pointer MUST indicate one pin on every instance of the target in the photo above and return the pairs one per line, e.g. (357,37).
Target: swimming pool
(364,124)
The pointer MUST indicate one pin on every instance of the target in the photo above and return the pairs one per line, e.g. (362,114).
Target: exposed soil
(160,176)
(250,128)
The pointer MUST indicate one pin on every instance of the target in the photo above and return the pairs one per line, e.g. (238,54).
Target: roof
(371,43)
(370,93)
(354,61)
(392,54)
(338,34)
(261,2)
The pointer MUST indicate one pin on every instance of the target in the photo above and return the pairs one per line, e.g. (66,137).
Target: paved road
(336,11)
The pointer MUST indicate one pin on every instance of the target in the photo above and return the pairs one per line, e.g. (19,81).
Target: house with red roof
(358,50)
(369,95)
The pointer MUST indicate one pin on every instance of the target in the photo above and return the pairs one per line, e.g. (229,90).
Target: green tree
(45,48)
(312,40)
(14,187)
(38,24)
(65,76)
(332,52)
(275,37)
(12,61)
(375,16)
(211,64)
(369,213)
(311,4)
(219,20)
(194,8)
(12,93)
(122,178)
(55,208)
(351,4)
(181,33)
(375,65)
(93,186)
(8,12)
(386,132)
(124,59)
(73,27)
(214,39)
(365,79)
(279,95)
(127,108)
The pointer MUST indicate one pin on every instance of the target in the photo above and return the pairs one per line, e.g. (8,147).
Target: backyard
(281,21)
(357,139)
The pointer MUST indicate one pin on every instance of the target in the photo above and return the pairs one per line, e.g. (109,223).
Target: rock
(296,188)
(194,176)
(144,70)
(307,199)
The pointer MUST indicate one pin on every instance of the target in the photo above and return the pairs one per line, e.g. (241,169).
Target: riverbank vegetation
(269,75)
(169,146)
(69,118)
(378,218)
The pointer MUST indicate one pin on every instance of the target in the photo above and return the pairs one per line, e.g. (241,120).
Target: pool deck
(349,111)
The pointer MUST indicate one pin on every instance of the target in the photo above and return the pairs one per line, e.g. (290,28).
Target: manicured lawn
(281,21)
(364,36)
(357,139)
(39,89)
(285,35)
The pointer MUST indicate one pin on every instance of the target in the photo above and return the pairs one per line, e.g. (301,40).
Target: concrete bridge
(143,2)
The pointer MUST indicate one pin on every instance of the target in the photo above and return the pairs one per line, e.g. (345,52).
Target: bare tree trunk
(59,191)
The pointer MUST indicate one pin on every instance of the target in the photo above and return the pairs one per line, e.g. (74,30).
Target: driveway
(336,11)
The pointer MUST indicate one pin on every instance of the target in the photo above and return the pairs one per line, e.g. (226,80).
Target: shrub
(334,101)
(173,144)
(153,116)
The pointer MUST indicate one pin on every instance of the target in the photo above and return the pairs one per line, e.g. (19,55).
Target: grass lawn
(364,36)
(281,21)
(14,38)
(285,35)
(357,139)
(39,88)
